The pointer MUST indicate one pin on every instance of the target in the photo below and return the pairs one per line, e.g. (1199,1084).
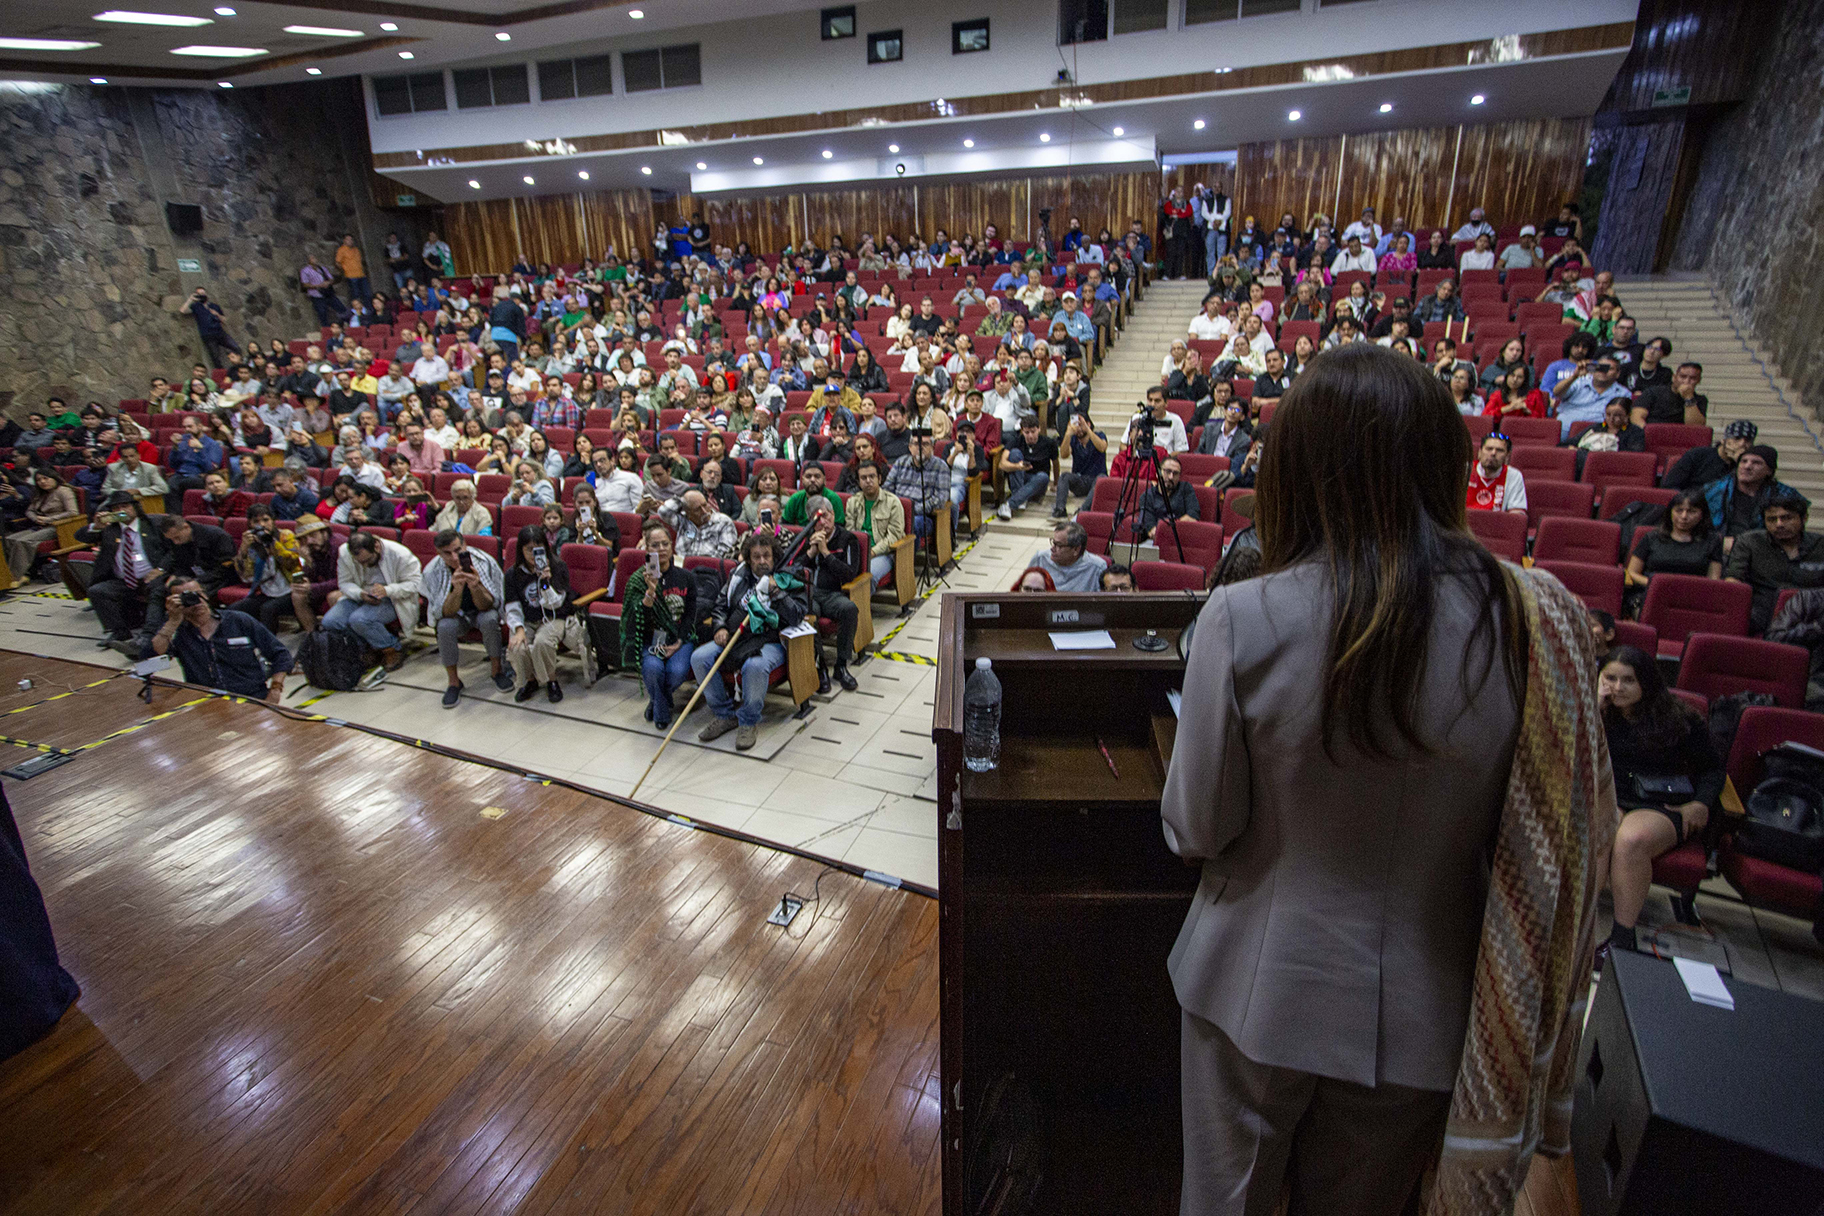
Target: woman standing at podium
(1390,766)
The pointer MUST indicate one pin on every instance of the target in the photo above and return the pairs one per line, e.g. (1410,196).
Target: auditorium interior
(521,490)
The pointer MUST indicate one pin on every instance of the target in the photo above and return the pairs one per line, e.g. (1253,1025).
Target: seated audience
(1117,578)
(1494,485)
(1777,555)
(1068,563)
(1028,464)
(1737,500)
(1677,402)
(877,517)
(1585,396)
(1711,462)
(658,623)
(1668,778)
(1168,498)
(1033,579)
(832,558)
(463,590)
(541,616)
(756,602)
(1685,542)
(700,529)
(52,503)
(377,581)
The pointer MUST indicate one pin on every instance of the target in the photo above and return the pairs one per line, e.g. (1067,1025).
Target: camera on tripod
(1140,430)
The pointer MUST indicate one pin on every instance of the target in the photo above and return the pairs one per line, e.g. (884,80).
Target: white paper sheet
(1704,983)
(1083,639)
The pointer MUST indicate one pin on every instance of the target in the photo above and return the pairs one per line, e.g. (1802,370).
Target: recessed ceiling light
(702,165)
(98,80)
(224,11)
(1119,132)
(759,160)
(313,71)
(635,13)
(44,44)
(125,17)
(892,147)
(1386,107)
(388,26)
(224,84)
(503,36)
(528,180)
(1294,115)
(323,31)
(1044,137)
(220,52)
(1198,125)
(827,154)
(583,173)
(473,184)
(646,170)
(405,55)
(1477,100)
(968,143)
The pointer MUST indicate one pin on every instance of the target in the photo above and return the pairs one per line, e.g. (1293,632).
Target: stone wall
(89,268)
(1755,221)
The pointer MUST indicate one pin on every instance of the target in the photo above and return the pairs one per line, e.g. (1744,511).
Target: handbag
(1784,820)
(1663,790)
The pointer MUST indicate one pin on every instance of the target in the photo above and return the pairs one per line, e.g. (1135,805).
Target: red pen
(1103,748)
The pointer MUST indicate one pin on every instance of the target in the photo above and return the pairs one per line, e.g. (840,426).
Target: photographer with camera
(1155,422)
(208,316)
(227,650)
(464,588)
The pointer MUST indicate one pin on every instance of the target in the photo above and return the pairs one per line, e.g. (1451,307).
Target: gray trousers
(451,628)
(1343,1147)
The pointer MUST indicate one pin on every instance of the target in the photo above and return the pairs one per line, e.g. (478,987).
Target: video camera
(1140,430)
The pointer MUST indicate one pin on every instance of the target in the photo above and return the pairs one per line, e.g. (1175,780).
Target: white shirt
(446,437)
(1470,232)
(1477,260)
(621,491)
(371,474)
(1346,261)
(1370,233)
(430,369)
(1170,433)
(1261,343)
(1203,328)
(526,380)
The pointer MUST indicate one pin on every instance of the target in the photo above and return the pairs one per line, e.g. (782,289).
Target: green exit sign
(1680,96)
(411,200)
(189,265)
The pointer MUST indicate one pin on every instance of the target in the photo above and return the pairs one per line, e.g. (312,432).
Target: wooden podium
(1059,905)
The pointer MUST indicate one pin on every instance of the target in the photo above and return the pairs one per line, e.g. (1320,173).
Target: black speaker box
(184,219)
(1685,1108)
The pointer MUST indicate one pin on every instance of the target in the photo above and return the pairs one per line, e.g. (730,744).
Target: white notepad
(1704,983)
(1083,639)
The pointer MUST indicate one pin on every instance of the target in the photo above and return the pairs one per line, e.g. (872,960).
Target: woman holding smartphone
(658,623)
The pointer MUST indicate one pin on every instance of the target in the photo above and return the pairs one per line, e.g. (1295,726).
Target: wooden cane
(690,705)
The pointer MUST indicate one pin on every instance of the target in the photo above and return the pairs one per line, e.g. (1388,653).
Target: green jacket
(798,506)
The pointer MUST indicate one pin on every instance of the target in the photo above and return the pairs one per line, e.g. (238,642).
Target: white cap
(1528,230)
(982,664)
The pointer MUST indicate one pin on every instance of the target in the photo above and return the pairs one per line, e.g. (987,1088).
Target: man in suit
(127,582)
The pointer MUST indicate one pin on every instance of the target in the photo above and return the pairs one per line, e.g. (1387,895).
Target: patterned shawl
(1513,1092)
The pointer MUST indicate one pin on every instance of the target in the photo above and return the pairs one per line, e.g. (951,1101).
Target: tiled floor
(855,780)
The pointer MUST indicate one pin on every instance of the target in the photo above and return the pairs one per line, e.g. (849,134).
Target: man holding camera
(208,316)
(832,557)
(227,650)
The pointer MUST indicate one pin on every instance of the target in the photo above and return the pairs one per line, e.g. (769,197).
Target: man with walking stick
(758,601)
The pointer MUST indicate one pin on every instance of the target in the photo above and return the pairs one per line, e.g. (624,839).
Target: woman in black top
(1667,777)
(715,449)
(866,376)
(1187,382)
(594,526)
(1684,543)
(1438,254)
(658,623)
(541,613)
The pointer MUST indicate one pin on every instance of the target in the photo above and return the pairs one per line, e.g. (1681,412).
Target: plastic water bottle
(982,719)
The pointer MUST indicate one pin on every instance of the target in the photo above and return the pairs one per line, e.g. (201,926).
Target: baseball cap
(1528,230)
(1741,428)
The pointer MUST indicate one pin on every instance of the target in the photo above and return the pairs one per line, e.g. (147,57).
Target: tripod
(1139,440)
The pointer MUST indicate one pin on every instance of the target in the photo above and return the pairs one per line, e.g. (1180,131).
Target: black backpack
(1785,814)
(333,660)
(1636,515)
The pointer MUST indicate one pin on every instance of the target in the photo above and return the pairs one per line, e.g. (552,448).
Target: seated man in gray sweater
(1071,566)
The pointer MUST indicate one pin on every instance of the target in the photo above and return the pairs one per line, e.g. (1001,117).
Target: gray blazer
(1336,924)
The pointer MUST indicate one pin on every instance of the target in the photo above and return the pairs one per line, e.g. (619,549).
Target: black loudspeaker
(1684,1108)
(184,219)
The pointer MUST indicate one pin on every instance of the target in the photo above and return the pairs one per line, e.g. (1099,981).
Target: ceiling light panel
(220,52)
(44,44)
(126,17)
(323,31)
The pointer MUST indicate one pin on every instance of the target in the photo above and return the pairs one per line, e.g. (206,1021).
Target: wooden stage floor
(322,973)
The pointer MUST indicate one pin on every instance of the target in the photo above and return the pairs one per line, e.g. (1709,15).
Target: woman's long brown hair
(1365,469)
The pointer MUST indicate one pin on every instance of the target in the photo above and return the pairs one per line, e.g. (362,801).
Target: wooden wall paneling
(1296,175)
(1520,171)
(1401,174)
